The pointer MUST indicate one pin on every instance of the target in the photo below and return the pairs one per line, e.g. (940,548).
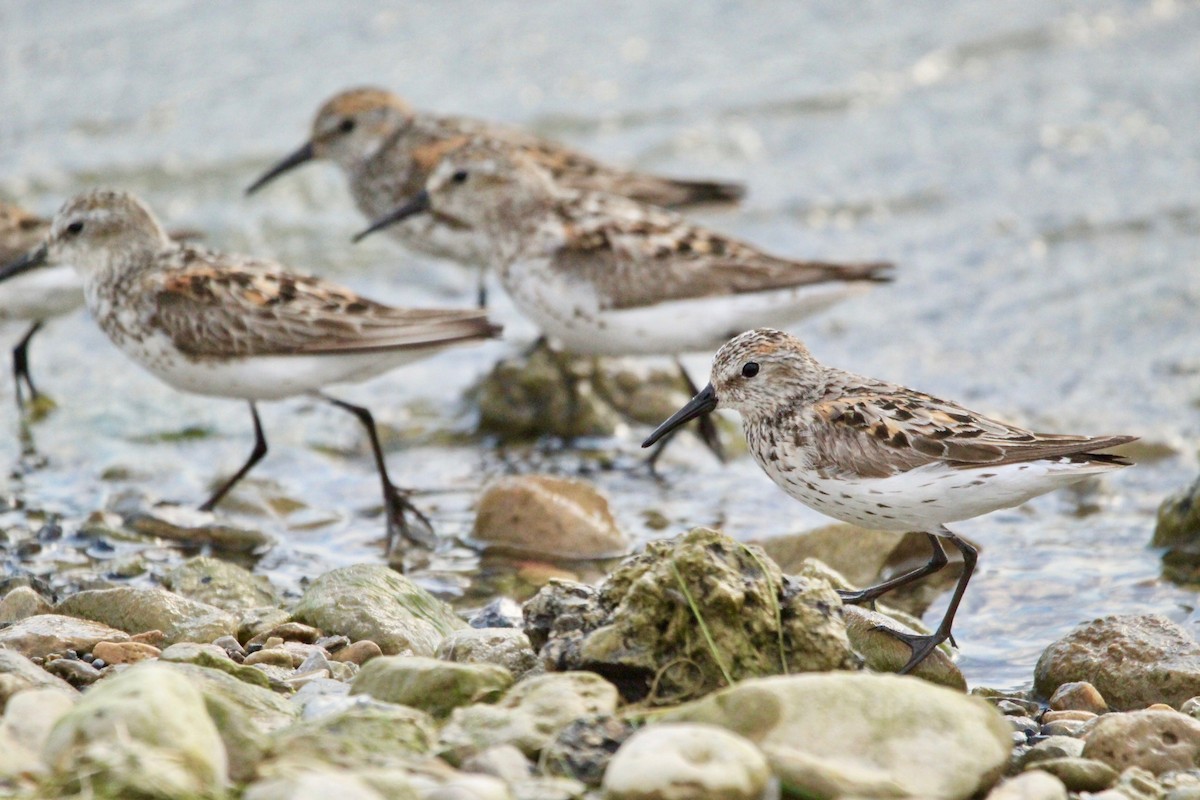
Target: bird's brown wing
(217,306)
(876,430)
(638,255)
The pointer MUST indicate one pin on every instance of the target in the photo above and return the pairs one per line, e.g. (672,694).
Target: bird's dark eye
(459,177)
(749,369)
(347,125)
(75,228)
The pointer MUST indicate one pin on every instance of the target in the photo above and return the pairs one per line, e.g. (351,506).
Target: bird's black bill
(304,154)
(419,204)
(34,258)
(702,403)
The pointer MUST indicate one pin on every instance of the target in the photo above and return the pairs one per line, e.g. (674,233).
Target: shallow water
(1032,168)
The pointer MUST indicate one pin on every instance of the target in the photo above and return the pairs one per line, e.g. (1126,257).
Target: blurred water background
(1031,167)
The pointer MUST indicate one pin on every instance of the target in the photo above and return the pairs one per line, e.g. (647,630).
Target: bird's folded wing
(655,255)
(246,308)
(879,430)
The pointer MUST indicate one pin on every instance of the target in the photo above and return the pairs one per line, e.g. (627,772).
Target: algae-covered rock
(686,761)
(371,601)
(529,715)
(43,634)
(545,516)
(429,684)
(1179,519)
(143,733)
(1133,661)
(543,393)
(213,657)
(182,524)
(221,584)
(1078,774)
(245,714)
(22,602)
(505,647)
(18,673)
(883,652)
(691,614)
(135,610)
(358,736)
(863,735)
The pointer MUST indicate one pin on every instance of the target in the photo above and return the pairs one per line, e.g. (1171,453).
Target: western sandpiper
(386,149)
(32,298)
(883,456)
(602,274)
(238,327)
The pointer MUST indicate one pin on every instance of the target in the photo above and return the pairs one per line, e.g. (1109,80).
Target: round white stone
(681,761)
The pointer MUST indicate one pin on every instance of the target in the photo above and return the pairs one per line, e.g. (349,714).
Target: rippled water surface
(1032,167)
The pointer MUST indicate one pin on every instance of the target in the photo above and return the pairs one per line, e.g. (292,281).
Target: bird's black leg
(21,366)
(395,502)
(256,455)
(936,561)
(481,296)
(922,646)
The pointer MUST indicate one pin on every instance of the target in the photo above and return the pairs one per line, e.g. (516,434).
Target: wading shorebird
(885,457)
(32,298)
(604,275)
(386,150)
(238,327)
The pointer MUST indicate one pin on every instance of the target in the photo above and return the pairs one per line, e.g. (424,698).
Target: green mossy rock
(144,733)
(429,684)
(371,601)
(221,584)
(135,610)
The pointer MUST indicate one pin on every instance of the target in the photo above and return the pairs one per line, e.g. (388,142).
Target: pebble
(1015,707)
(359,653)
(154,638)
(295,632)
(1191,707)
(1078,696)
(22,602)
(1023,725)
(232,647)
(1079,774)
(502,612)
(1052,747)
(272,656)
(1077,716)
(74,671)
(1064,727)
(504,761)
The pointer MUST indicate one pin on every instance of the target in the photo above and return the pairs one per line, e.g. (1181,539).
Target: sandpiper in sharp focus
(237,327)
(35,297)
(602,274)
(387,149)
(883,456)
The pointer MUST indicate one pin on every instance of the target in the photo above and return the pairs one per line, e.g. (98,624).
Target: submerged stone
(545,516)
(221,584)
(689,615)
(371,601)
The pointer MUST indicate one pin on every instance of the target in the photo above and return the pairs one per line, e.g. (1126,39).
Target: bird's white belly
(568,312)
(929,496)
(261,377)
(41,293)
